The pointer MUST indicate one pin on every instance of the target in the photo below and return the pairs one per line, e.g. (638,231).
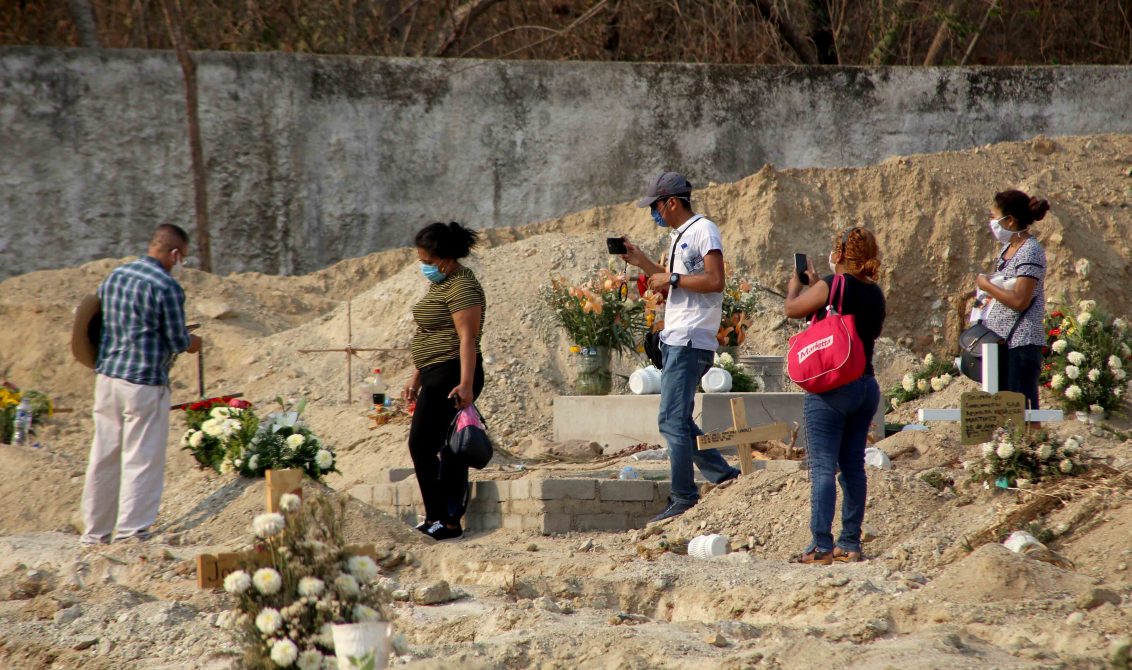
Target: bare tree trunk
(175,21)
(941,35)
(785,31)
(462,17)
(982,27)
(83,16)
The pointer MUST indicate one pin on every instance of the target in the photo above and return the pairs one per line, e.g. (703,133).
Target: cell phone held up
(800,266)
(616,245)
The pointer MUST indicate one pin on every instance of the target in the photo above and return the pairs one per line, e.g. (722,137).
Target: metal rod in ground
(200,371)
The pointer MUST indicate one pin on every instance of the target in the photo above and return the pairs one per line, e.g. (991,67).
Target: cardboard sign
(212,569)
(280,482)
(981,413)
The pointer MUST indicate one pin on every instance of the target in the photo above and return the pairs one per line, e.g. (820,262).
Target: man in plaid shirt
(143,328)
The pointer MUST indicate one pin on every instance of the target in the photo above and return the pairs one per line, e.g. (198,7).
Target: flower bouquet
(218,431)
(932,375)
(601,319)
(284,441)
(1087,359)
(10,397)
(740,302)
(288,603)
(1016,458)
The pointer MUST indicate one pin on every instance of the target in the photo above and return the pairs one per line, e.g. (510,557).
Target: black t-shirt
(865,301)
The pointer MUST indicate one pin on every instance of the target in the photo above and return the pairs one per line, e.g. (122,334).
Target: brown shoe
(842,556)
(814,558)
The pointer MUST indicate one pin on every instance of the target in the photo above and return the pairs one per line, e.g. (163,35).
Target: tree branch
(785,31)
(462,17)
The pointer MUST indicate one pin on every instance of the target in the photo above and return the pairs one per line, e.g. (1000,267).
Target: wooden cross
(349,350)
(744,437)
(990,385)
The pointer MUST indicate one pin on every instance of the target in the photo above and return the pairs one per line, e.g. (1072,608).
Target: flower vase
(1096,417)
(595,376)
(359,646)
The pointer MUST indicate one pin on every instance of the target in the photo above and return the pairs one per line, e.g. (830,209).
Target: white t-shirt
(693,318)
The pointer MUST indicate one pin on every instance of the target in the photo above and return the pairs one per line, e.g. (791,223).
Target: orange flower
(745,286)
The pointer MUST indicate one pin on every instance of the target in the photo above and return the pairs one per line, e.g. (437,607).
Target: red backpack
(828,353)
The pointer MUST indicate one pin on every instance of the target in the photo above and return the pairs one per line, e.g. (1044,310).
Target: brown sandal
(842,556)
(814,558)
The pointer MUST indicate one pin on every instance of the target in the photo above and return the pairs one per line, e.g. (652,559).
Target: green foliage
(599,313)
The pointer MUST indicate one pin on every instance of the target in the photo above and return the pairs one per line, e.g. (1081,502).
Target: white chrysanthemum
(268,525)
(284,652)
(946,378)
(1073,392)
(988,448)
(1065,466)
(196,439)
(219,413)
(908,382)
(1119,374)
(362,567)
(1114,362)
(726,359)
(1120,324)
(1076,358)
(326,636)
(1045,452)
(347,586)
(928,360)
(1071,444)
(268,621)
(922,386)
(1084,318)
(1087,305)
(895,403)
(1072,371)
(324,459)
(225,466)
(239,463)
(937,384)
(237,582)
(289,502)
(267,581)
(362,614)
(1096,409)
(295,441)
(1059,346)
(1057,381)
(311,587)
(988,469)
(1125,350)
(1005,450)
(311,659)
(253,462)
(1094,375)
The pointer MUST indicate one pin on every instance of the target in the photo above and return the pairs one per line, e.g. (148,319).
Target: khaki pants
(126,472)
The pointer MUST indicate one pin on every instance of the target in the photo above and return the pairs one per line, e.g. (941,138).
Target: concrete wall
(315,159)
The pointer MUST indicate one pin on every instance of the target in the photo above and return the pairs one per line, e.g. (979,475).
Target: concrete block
(601,522)
(513,521)
(489,521)
(363,492)
(489,491)
(520,489)
(555,524)
(663,489)
(383,495)
(785,466)
(614,489)
(557,489)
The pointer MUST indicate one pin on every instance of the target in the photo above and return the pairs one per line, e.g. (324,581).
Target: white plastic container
(876,458)
(360,640)
(645,381)
(1019,541)
(704,547)
(716,380)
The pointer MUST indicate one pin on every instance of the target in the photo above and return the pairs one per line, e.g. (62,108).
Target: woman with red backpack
(837,420)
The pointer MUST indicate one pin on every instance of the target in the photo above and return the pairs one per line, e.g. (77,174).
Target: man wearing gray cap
(694,282)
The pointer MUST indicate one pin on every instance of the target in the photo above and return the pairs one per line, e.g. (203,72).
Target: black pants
(443,479)
(1023,368)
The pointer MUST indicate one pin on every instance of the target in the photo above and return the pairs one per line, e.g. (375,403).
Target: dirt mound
(994,573)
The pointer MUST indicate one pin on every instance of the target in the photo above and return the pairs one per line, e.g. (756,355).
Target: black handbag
(471,443)
(971,343)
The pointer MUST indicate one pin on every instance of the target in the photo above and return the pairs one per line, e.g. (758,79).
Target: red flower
(1054,332)
(1057,315)
(239,404)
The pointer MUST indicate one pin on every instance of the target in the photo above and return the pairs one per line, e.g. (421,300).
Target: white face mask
(1001,234)
(832,265)
(177,271)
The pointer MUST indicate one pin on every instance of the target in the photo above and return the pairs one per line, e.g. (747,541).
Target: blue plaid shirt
(143,323)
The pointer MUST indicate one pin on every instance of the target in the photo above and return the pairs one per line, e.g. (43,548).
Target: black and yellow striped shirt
(436,340)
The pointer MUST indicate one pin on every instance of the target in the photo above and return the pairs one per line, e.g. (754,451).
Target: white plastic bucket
(707,546)
(1019,541)
(716,380)
(875,458)
(645,381)
(359,640)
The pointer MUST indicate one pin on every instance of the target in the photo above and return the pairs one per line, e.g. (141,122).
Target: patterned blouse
(1028,261)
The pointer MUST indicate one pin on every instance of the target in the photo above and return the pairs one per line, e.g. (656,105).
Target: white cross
(990,385)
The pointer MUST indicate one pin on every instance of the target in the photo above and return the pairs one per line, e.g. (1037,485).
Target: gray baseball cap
(664,185)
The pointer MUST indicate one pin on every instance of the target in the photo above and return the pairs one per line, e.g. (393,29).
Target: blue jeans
(837,425)
(683,367)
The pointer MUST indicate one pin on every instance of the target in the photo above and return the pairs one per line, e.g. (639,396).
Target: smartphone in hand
(616,245)
(800,266)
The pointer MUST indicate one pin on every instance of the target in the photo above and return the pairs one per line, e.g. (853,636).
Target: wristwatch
(673,280)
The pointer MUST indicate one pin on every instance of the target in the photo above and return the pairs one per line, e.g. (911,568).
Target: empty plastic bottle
(21,425)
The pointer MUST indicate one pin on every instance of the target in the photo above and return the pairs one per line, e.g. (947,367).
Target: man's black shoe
(675,508)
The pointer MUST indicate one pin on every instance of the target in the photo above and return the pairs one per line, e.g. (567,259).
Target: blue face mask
(658,219)
(432,273)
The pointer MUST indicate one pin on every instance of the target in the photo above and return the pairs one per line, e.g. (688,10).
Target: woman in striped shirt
(448,371)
